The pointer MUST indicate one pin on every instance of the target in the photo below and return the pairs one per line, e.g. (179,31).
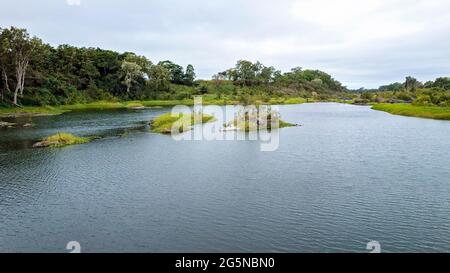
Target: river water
(348,176)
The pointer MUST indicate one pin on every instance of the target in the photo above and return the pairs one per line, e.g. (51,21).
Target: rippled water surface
(350,175)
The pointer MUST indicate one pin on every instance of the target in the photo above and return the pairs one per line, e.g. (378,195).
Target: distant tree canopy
(35,73)
(411,84)
(435,92)
(392,87)
(246,73)
(442,83)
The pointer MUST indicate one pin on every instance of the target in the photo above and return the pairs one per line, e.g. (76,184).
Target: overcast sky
(360,42)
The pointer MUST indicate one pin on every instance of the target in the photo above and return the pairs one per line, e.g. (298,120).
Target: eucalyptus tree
(131,72)
(19,47)
(4,64)
(134,67)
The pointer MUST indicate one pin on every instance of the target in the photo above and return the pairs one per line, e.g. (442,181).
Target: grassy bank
(165,123)
(105,105)
(31,111)
(101,105)
(431,112)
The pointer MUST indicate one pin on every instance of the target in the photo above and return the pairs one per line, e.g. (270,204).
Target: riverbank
(430,112)
(132,105)
(30,111)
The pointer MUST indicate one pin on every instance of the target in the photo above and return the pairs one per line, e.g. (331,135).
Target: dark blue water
(350,175)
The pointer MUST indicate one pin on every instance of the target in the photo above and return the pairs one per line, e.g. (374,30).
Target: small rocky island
(61,140)
(256,120)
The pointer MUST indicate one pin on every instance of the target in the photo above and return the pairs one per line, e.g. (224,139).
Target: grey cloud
(361,45)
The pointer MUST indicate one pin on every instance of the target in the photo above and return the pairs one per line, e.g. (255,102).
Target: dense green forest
(34,73)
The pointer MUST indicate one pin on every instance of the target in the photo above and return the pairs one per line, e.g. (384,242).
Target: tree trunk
(5,80)
(24,70)
(20,75)
(16,92)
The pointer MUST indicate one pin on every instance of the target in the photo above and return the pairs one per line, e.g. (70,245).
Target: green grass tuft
(30,111)
(134,105)
(64,139)
(100,105)
(284,124)
(163,124)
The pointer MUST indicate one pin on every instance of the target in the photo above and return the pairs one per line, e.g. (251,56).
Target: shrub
(39,96)
(366,96)
(182,95)
(95,94)
(422,100)
(404,96)
(76,97)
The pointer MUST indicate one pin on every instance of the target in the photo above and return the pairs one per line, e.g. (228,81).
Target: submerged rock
(137,108)
(45,143)
(4,124)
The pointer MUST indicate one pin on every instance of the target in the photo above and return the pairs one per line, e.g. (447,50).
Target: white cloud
(73,2)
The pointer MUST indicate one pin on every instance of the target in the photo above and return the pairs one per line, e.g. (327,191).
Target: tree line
(430,93)
(35,73)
